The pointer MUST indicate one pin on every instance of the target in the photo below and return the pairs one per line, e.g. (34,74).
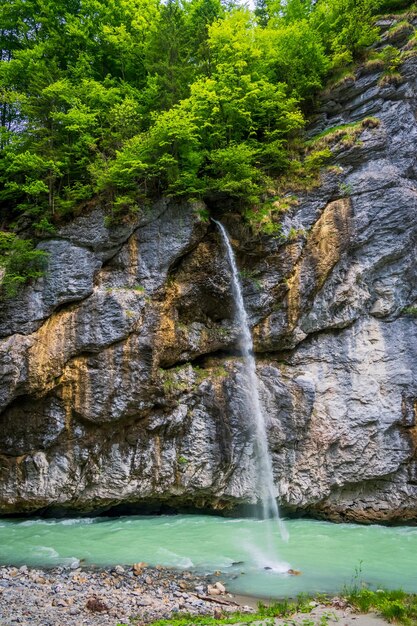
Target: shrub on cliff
(19,263)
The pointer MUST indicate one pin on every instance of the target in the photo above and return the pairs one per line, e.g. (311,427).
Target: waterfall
(263,464)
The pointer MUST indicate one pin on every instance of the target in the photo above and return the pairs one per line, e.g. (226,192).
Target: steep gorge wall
(119,375)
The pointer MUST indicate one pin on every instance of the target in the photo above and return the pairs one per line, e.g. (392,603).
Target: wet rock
(294,572)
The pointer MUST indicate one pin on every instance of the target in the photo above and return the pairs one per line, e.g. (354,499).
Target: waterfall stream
(263,464)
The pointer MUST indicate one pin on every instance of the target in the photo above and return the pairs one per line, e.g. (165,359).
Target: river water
(326,554)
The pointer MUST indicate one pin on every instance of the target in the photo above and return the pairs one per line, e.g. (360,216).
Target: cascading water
(263,465)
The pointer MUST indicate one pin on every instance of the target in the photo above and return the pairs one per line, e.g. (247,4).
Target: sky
(248,3)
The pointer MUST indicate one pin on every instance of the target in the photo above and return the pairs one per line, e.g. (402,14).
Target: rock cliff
(119,374)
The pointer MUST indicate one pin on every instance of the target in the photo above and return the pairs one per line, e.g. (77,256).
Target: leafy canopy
(134,98)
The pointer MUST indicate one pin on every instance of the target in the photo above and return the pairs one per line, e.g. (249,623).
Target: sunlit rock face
(120,380)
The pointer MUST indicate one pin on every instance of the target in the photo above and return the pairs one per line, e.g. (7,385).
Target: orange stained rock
(133,253)
(50,349)
(327,240)
(79,389)
(166,334)
(74,389)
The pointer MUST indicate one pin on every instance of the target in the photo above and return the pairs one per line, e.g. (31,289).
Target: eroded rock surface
(119,376)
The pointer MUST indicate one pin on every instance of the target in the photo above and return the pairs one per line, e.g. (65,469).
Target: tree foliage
(19,263)
(134,98)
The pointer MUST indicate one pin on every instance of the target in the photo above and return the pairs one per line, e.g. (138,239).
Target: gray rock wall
(119,380)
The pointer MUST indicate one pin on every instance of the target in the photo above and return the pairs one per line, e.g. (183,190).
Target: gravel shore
(106,597)
(112,596)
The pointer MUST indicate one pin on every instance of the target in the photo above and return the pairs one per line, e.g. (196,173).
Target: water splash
(263,465)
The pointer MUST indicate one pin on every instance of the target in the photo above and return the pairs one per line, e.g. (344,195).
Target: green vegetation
(391,58)
(399,30)
(19,263)
(345,190)
(395,606)
(410,310)
(120,102)
(346,133)
(182,378)
(206,620)
(111,104)
(176,380)
(284,608)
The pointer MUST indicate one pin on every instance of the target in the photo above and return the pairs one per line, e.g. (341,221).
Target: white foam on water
(263,559)
(81,521)
(407,531)
(177,560)
(46,551)
(218,562)
(174,522)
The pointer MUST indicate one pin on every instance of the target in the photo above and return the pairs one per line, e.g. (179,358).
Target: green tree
(297,57)
(200,15)
(262,12)
(289,11)
(134,98)
(346,27)
(20,262)
(168,57)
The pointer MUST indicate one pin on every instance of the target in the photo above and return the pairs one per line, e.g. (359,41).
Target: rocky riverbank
(106,597)
(140,595)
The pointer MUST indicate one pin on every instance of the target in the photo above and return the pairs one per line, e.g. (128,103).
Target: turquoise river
(328,555)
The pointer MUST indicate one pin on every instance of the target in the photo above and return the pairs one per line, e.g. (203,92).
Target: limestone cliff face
(119,376)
